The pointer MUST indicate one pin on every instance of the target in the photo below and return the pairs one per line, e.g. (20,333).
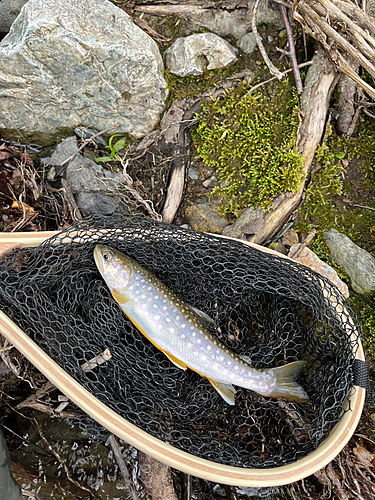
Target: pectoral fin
(175,361)
(226,391)
(202,317)
(247,359)
(120,298)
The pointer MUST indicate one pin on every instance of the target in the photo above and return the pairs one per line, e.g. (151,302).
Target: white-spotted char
(180,332)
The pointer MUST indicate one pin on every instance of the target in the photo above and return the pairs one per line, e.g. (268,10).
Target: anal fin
(226,391)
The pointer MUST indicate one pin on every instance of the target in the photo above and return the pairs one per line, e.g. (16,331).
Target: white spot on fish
(193,334)
(156,297)
(172,330)
(137,292)
(199,341)
(165,300)
(182,336)
(183,325)
(209,347)
(149,288)
(168,320)
(164,308)
(143,296)
(156,317)
(155,306)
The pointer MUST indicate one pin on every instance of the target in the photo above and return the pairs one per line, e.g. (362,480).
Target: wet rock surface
(357,263)
(72,63)
(188,55)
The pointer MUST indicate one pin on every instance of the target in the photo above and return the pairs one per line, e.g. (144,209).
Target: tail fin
(287,387)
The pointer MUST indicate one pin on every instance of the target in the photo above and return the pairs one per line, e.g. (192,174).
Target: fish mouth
(98,257)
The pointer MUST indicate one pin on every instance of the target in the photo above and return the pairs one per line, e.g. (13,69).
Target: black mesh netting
(267,307)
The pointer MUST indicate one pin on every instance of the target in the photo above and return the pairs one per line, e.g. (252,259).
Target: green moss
(251,141)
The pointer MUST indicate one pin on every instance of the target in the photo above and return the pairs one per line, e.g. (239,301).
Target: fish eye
(107,256)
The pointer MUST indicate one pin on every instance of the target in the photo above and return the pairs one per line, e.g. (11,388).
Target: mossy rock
(250,138)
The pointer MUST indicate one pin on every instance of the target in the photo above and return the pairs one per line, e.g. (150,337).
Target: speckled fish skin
(175,329)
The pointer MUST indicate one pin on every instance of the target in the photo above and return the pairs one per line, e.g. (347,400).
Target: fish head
(113,266)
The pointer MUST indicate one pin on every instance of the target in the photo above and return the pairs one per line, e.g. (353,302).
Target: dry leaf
(22,206)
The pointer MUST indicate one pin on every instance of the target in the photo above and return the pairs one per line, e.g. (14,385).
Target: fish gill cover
(271,309)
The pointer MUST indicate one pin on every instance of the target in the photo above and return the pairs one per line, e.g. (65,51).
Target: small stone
(249,222)
(278,247)
(357,263)
(247,43)
(204,216)
(270,38)
(184,56)
(209,182)
(193,173)
(290,238)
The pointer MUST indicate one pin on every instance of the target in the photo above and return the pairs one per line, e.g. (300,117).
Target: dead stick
(340,40)
(87,141)
(342,17)
(274,71)
(308,238)
(292,49)
(122,465)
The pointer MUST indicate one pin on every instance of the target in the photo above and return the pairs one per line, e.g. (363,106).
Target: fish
(181,332)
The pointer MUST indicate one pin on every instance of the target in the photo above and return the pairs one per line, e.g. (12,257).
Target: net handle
(164,452)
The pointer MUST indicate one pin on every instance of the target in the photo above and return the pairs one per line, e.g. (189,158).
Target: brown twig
(273,70)
(62,462)
(292,49)
(303,245)
(122,466)
(87,141)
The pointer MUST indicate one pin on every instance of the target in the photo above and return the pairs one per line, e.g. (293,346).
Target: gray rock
(247,43)
(186,56)
(249,222)
(9,10)
(95,188)
(205,216)
(78,62)
(357,263)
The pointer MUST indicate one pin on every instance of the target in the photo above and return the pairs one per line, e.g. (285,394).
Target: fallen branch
(292,50)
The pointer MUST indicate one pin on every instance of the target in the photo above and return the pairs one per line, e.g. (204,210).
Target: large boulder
(78,62)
